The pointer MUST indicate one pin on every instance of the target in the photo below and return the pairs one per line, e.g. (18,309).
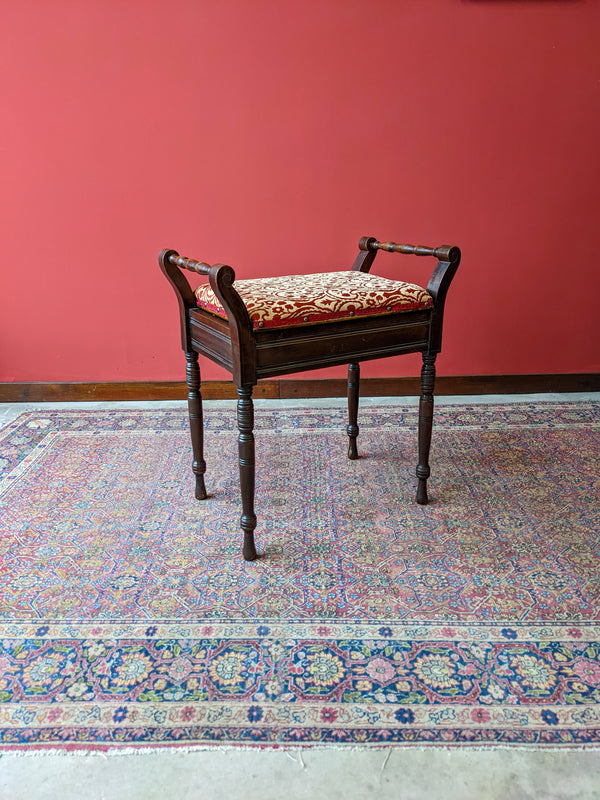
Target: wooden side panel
(297,349)
(211,337)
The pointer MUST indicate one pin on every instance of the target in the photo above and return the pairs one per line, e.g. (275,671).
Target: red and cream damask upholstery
(323,297)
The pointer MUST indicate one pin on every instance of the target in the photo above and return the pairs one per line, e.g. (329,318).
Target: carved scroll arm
(221,278)
(448,259)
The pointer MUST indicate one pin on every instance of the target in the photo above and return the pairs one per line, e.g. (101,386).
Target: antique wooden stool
(274,326)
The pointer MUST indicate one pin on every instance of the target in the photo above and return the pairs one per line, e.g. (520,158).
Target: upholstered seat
(266,327)
(321,297)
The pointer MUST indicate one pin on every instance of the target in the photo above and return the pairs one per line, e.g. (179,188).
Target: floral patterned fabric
(322,297)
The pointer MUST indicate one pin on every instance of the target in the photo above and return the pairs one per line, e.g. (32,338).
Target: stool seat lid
(292,300)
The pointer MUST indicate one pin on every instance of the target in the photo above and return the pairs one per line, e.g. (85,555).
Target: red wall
(271,135)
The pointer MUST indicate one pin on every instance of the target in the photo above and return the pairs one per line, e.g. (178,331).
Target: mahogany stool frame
(251,354)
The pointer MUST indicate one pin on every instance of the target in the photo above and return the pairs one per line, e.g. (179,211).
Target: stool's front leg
(425,424)
(352,429)
(245,420)
(192,375)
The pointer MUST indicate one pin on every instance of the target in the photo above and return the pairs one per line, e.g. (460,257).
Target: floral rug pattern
(128,617)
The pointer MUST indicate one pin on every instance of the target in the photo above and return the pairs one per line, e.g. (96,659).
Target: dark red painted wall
(271,135)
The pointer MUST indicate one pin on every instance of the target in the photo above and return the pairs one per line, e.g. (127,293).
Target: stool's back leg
(353,388)
(245,420)
(425,424)
(192,375)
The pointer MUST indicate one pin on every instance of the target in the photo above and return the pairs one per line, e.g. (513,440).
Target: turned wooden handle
(188,263)
(443,253)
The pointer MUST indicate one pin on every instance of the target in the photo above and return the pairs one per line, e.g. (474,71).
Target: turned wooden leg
(425,423)
(245,420)
(196,427)
(352,429)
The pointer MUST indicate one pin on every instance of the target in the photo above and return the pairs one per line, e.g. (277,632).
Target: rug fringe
(112,751)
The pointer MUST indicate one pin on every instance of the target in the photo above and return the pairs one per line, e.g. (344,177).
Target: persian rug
(128,617)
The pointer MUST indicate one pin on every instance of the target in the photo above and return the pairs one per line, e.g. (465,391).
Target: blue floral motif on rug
(128,618)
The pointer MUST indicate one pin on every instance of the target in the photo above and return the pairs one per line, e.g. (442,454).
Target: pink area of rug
(128,617)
